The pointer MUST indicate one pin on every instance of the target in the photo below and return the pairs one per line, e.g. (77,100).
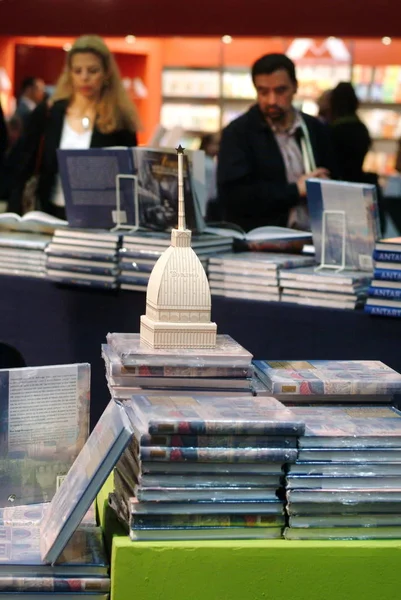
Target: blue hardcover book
(352,206)
(349,426)
(387,255)
(98,457)
(81,268)
(71,279)
(44,424)
(89,184)
(195,414)
(387,271)
(372,308)
(384,292)
(317,377)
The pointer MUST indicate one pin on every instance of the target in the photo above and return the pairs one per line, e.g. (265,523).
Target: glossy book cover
(329,377)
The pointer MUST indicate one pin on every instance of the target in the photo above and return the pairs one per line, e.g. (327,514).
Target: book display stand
(119,216)
(323,265)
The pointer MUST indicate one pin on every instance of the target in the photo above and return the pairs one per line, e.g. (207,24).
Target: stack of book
(204,467)
(133,367)
(83,257)
(141,249)
(251,275)
(344,289)
(385,289)
(296,382)
(23,254)
(346,483)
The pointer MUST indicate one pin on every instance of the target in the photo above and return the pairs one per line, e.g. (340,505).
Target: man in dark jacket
(267,154)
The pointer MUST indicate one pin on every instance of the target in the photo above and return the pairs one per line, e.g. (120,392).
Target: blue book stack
(141,249)
(346,483)
(205,467)
(87,257)
(385,289)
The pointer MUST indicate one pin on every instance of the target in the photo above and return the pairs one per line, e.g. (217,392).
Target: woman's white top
(71,140)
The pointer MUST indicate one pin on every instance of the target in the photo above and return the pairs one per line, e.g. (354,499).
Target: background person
(89,109)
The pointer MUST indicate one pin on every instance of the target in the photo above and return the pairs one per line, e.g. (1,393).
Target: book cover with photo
(44,424)
(358,202)
(157,171)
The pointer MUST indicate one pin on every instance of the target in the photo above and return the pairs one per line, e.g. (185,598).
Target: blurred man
(32,94)
(267,154)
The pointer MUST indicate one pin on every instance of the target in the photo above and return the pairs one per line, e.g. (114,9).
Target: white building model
(178,302)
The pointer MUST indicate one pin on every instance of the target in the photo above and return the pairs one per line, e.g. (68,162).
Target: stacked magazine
(23,254)
(346,483)
(329,381)
(251,275)
(204,467)
(328,288)
(141,249)
(133,367)
(385,289)
(83,257)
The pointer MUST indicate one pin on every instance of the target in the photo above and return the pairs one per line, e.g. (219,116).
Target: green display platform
(249,570)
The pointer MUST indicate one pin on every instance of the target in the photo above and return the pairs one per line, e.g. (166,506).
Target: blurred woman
(89,109)
(351,139)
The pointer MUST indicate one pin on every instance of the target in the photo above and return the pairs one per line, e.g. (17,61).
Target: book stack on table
(251,275)
(346,483)
(204,467)
(23,254)
(385,289)
(84,257)
(133,367)
(328,288)
(141,249)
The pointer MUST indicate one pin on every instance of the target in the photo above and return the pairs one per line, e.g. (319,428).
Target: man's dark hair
(269,63)
(343,100)
(27,82)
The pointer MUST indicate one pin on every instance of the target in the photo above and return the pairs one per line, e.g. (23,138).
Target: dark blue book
(382,311)
(384,292)
(387,255)
(387,274)
(89,180)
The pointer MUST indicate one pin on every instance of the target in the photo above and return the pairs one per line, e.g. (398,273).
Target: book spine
(383,292)
(387,274)
(219,441)
(383,311)
(83,268)
(53,584)
(387,256)
(83,282)
(233,428)
(138,521)
(173,454)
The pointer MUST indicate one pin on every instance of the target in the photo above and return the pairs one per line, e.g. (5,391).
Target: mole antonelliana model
(178,302)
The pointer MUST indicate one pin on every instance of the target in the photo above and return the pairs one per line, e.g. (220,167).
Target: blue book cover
(44,424)
(316,377)
(358,202)
(193,414)
(97,458)
(382,311)
(387,274)
(384,292)
(89,185)
(387,255)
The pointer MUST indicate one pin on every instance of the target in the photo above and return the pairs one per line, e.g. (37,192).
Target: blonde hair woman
(89,109)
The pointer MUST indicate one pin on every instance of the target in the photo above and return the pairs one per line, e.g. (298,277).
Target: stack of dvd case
(385,289)
(251,275)
(84,257)
(204,467)
(23,254)
(331,289)
(346,483)
(328,381)
(82,568)
(132,367)
(141,249)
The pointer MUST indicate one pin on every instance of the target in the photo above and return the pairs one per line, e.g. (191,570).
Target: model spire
(181,204)
(178,302)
